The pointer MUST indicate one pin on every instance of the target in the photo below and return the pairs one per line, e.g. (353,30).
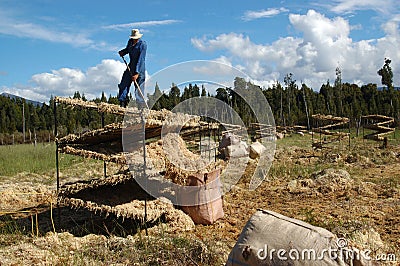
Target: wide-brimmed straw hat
(135,34)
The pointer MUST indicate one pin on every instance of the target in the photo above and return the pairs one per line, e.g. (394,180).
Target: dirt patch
(344,197)
(326,181)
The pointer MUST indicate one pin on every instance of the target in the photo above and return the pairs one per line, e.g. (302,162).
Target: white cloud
(140,24)
(270,12)
(25,92)
(65,82)
(254,59)
(24,29)
(349,6)
(312,58)
(75,37)
(322,37)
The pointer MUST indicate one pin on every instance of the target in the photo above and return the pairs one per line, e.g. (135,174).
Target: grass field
(37,159)
(40,160)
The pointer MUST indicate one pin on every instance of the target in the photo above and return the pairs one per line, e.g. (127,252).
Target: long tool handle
(127,66)
(137,85)
(141,93)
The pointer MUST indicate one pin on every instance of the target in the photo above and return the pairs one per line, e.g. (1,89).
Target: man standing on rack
(136,48)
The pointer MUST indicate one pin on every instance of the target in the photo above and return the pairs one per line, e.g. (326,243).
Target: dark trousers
(125,85)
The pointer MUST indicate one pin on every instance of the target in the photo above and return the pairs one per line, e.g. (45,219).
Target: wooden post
(394,131)
(320,134)
(312,133)
(350,133)
(23,120)
(305,104)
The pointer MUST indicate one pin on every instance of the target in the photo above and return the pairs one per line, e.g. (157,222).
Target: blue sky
(59,47)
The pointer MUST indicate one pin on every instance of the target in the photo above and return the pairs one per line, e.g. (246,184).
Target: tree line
(290,104)
(22,121)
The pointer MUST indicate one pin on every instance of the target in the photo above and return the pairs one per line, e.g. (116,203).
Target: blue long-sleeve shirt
(137,56)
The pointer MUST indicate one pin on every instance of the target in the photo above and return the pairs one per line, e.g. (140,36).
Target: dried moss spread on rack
(381,125)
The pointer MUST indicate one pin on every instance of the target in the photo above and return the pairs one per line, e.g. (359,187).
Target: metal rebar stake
(57,166)
(362,122)
(144,166)
(200,128)
(55,139)
(209,142)
(215,147)
(104,162)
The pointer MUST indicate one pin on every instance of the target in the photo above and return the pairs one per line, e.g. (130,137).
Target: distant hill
(12,96)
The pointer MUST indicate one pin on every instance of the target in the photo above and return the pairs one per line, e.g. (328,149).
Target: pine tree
(174,96)
(195,91)
(338,90)
(3,119)
(154,99)
(387,79)
(203,91)
(288,80)
(77,95)
(103,97)
(386,74)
